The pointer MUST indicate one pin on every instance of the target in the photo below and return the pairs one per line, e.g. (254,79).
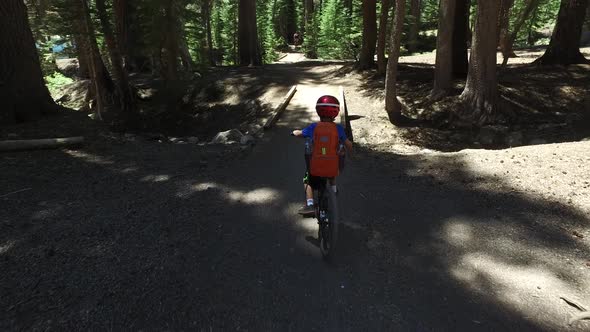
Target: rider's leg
(308,194)
(308,208)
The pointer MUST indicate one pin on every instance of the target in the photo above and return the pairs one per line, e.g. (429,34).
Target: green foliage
(56,81)
(225,29)
(334,32)
(339,35)
(269,39)
(538,28)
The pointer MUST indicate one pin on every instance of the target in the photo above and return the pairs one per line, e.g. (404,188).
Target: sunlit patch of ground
(523,56)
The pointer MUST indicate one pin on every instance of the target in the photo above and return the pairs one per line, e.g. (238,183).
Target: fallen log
(280,109)
(344,118)
(37,144)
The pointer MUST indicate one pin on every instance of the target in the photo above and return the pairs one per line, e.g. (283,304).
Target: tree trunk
(206,10)
(504,23)
(185,55)
(124,91)
(414,25)
(480,96)
(521,18)
(290,20)
(210,34)
(392,105)
(531,27)
(382,38)
(310,30)
(248,35)
(83,62)
(100,77)
(443,70)
(169,62)
(348,6)
(367,56)
(23,93)
(120,9)
(461,38)
(129,35)
(564,47)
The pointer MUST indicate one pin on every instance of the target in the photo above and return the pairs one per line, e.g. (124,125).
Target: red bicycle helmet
(327,107)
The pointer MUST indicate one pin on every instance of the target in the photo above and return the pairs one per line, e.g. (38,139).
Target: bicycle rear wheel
(328,233)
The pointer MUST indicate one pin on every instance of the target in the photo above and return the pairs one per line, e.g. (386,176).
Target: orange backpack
(324,156)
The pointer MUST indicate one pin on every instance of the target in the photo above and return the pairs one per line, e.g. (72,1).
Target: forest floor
(127,233)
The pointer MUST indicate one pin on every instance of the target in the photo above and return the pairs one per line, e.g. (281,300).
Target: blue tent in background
(58,48)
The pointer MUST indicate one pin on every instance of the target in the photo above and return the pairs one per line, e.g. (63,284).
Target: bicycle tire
(329,233)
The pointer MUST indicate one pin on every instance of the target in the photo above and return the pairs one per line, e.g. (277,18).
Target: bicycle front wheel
(329,227)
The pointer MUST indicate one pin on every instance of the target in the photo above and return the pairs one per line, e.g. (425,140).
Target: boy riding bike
(322,156)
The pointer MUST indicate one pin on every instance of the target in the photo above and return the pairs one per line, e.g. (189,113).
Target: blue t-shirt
(308,132)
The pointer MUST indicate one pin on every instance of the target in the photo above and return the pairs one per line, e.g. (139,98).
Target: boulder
(227,137)
(247,140)
(490,135)
(515,138)
(537,141)
(254,129)
(193,139)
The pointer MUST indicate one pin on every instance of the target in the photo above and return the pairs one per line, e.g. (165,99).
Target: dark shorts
(313,181)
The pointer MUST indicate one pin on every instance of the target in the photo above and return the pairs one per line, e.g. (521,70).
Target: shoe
(307,210)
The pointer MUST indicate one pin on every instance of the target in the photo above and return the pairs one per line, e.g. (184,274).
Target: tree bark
(414,25)
(443,70)
(290,19)
(169,62)
(124,91)
(564,47)
(310,30)
(367,56)
(129,35)
(461,38)
(185,55)
(480,96)
(521,18)
(382,38)
(23,93)
(120,9)
(83,62)
(100,77)
(504,23)
(248,35)
(37,144)
(206,10)
(348,6)
(392,105)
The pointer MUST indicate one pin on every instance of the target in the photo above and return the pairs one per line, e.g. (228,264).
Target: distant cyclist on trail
(326,144)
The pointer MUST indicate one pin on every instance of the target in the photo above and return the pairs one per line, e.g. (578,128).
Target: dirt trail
(147,236)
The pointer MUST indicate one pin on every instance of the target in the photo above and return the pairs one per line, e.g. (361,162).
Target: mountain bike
(327,215)
(326,212)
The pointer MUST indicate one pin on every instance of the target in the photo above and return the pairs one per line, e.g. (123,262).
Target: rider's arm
(348,145)
(297,133)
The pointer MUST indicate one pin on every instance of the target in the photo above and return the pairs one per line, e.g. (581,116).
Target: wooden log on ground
(281,108)
(344,118)
(37,144)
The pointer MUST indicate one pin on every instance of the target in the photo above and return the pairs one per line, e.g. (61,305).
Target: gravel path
(147,236)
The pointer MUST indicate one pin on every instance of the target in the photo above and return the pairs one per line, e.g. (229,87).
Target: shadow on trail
(178,237)
(552,107)
(148,236)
